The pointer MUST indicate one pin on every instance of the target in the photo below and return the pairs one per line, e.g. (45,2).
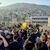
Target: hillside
(25,9)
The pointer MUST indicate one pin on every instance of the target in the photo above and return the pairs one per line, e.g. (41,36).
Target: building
(40,19)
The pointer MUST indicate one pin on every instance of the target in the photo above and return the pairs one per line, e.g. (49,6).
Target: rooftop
(40,16)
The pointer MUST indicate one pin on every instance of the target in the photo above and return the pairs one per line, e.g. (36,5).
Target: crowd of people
(30,38)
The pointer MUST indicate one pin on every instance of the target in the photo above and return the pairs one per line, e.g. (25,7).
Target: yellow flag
(49,21)
(24,25)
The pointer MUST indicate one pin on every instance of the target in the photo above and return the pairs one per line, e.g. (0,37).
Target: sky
(9,2)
